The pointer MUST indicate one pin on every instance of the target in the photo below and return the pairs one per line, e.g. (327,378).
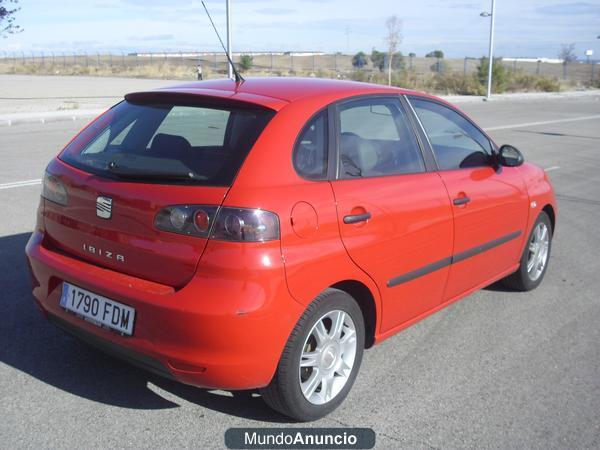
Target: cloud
(570,9)
(153,37)
(275,11)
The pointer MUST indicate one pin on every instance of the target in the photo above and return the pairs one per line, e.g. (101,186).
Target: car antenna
(238,77)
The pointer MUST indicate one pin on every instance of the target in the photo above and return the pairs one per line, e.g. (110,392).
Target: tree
(393,39)
(435,54)
(412,55)
(359,60)
(7,18)
(380,60)
(499,74)
(246,62)
(567,53)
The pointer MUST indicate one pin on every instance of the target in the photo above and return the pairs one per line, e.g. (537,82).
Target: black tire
(284,393)
(521,279)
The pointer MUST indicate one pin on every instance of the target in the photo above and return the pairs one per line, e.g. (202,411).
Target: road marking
(546,122)
(17,184)
(551,168)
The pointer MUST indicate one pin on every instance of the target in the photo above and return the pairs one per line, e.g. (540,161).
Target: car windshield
(168,143)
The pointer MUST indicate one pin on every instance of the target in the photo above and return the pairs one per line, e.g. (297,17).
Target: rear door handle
(356,218)
(461,200)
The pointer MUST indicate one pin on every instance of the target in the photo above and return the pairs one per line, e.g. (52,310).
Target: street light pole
(492,16)
(227,13)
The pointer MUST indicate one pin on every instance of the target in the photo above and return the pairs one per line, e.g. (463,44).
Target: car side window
(310,153)
(376,139)
(456,142)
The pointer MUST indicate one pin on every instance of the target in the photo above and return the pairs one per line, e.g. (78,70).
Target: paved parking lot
(496,370)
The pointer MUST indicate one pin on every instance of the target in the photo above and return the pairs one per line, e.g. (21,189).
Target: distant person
(199,72)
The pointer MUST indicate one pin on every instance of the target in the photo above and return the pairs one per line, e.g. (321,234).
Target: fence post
(539,67)
(564,70)
(410,62)
(592,77)
(292,61)
(465,67)
(335,62)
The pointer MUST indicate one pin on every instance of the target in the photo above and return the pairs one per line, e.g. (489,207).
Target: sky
(524,28)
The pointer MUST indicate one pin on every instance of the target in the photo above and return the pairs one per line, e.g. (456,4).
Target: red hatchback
(262,234)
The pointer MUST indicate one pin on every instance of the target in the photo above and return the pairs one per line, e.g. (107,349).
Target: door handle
(461,200)
(356,218)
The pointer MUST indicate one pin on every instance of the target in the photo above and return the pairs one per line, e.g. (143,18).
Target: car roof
(276,92)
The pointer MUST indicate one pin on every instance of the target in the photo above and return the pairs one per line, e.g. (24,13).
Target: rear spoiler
(207,97)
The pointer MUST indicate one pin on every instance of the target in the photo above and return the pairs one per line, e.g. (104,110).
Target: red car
(262,234)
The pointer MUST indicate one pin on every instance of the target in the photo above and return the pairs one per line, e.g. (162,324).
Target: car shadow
(32,345)
(498,286)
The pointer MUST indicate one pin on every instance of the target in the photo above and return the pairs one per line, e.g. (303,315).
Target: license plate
(98,310)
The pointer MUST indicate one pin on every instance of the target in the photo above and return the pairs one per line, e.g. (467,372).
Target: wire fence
(273,63)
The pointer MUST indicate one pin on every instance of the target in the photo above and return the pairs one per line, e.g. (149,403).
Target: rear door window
(310,153)
(168,143)
(376,139)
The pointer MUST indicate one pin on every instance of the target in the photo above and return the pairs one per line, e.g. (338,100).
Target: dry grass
(440,83)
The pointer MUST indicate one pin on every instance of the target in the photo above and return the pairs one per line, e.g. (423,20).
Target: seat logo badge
(104,207)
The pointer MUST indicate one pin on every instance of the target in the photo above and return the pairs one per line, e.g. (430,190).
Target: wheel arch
(366,301)
(548,209)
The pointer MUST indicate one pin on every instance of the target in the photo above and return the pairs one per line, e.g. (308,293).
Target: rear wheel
(321,358)
(535,257)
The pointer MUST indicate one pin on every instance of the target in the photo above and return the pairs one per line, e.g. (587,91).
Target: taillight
(194,220)
(246,225)
(226,224)
(54,190)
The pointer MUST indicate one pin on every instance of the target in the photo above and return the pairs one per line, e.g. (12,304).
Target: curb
(521,96)
(48,116)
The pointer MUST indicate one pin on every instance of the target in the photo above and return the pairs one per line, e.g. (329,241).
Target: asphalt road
(495,370)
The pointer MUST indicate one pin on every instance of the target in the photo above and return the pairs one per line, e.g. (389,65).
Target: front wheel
(535,257)
(321,358)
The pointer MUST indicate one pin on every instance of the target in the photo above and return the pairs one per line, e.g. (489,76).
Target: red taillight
(202,221)
(226,224)
(193,220)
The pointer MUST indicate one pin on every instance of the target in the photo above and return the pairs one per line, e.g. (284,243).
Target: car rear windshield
(168,143)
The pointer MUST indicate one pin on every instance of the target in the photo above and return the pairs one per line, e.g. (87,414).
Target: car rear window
(168,143)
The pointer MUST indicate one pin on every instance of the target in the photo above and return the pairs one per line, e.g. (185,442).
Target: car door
(394,214)
(489,204)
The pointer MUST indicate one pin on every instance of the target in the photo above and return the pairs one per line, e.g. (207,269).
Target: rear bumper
(225,329)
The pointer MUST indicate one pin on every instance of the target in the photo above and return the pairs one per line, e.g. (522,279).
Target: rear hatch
(146,154)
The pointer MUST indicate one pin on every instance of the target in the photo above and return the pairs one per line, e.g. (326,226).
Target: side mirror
(510,156)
